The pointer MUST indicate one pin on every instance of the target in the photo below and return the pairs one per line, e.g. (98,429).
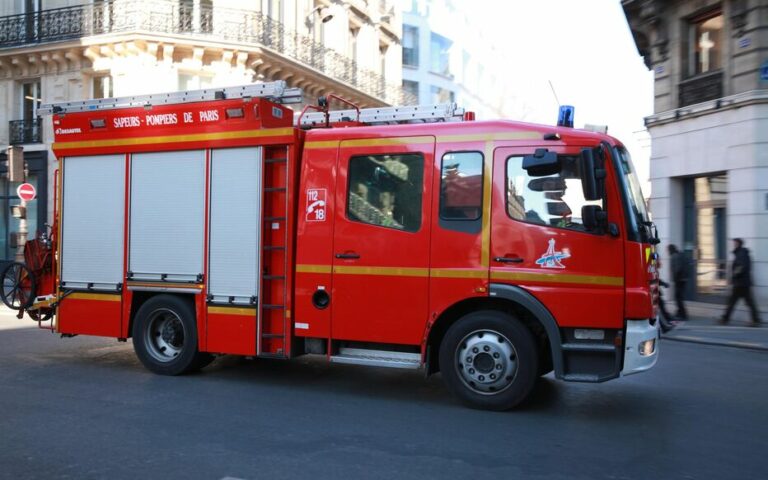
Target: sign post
(26,192)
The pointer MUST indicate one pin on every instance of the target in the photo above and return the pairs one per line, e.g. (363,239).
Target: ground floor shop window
(37,165)
(705,236)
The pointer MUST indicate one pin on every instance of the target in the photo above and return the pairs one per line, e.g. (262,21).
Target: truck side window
(553,200)
(386,190)
(461,186)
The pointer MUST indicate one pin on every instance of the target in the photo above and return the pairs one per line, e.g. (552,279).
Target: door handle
(347,256)
(508,259)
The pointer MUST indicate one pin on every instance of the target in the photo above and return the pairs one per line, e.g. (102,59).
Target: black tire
(18,286)
(489,360)
(165,336)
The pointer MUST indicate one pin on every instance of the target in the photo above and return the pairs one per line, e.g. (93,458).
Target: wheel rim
(17,287)
(486,362)
(165,335)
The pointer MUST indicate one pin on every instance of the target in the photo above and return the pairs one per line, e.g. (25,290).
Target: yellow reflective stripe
(389,271)
(457,273)
(485,243)
(463,273)
(558,278)
(103,297)
(386,142)
(197,137)
(491,137)
(313,268)
(251,312)
(319,144)
(191,286)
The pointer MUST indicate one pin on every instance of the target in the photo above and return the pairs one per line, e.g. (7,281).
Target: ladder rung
(272,335)
(275,189)
(273,307)
(276,160)
(280,356)
(274,277)
(273,247)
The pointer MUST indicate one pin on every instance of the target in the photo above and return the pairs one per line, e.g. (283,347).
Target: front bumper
(641,347)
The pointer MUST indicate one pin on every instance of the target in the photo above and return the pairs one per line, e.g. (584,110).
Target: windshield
(635,194)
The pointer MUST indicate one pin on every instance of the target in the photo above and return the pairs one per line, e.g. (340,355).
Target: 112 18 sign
(316,204)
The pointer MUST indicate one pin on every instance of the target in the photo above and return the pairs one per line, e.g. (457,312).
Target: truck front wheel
(489,360)
(165,336)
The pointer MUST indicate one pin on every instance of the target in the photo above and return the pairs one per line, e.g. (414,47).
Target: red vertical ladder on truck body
(273,314)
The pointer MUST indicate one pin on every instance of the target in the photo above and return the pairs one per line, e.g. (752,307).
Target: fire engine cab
(213,222)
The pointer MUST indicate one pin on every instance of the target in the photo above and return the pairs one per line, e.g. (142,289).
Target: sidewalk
(703,328)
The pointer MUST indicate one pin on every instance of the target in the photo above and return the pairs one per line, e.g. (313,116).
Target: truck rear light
(588,334)
(647,347)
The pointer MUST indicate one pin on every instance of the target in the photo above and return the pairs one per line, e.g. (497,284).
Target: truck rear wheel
(489,360)
(165,336)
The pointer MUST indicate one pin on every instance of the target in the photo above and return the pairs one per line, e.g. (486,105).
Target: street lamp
(323,12)
(325,16)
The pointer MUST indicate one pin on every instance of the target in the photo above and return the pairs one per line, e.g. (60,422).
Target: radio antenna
(552,87)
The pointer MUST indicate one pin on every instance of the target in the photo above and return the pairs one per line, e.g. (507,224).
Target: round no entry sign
(26,192)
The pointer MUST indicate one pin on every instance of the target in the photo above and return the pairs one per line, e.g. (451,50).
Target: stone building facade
(65,50)
(709,164)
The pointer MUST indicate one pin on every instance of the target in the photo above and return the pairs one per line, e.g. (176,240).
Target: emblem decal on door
(316,204)
(552,258)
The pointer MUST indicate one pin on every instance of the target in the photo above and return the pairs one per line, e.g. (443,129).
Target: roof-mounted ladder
(442,112)
(275,91)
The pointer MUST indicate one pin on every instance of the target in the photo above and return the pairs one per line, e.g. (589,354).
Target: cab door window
(386,190)
(554,200)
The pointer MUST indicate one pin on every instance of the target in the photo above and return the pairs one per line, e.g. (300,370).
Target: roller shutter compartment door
(235,221)
(92,219)
(167,216)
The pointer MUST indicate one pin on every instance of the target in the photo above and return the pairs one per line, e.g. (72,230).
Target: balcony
(209,23)
(23,132)
(701,88)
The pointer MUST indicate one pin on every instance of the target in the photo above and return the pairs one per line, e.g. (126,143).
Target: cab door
(381,240)
(539,241)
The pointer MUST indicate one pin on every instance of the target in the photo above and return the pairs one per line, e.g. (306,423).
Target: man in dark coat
(679,269)
(741,279)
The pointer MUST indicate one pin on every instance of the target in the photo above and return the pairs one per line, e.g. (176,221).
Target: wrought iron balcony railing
(25,131)
(701,88)
(212,23)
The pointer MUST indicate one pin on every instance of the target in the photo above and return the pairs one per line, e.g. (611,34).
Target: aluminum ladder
(275,91)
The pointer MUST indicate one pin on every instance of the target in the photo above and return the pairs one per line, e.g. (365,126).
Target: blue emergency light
(565,118)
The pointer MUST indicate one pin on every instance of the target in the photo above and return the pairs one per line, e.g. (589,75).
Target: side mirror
(593,174)
(541,163)
(593,217)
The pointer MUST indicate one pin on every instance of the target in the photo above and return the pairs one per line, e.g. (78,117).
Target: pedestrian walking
(665,319)
(679,266)
(741,283)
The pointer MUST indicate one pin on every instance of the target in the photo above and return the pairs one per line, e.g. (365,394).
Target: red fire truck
(210,222)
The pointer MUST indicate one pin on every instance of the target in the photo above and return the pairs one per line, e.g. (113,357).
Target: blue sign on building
(764,71)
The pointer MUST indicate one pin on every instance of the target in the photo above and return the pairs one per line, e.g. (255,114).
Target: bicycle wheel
(18,286)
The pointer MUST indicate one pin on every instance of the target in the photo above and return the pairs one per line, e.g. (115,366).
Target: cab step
(377,358)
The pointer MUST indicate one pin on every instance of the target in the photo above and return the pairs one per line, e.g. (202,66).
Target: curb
(720,343)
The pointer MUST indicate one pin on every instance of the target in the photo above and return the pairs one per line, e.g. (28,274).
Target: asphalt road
(85,408)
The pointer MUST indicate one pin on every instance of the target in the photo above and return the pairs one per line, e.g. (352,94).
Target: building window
(707,43)
(411,87)
(461,186)
(442,95)
(386,190)
(30,100)
(102,87)
(439,54)
(553,200)
(410,46)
